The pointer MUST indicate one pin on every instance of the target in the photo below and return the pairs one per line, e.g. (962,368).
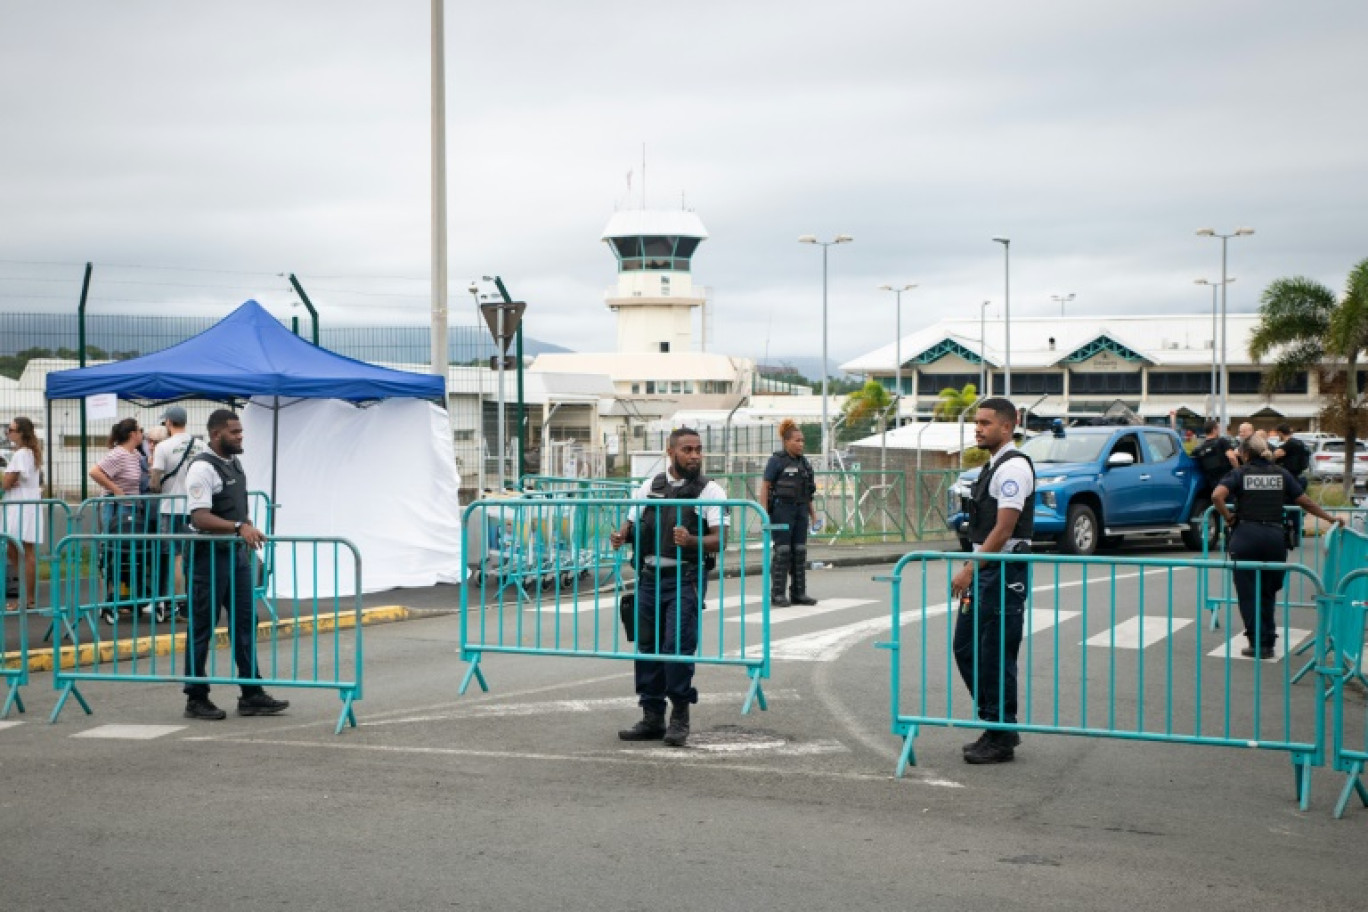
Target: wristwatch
(237,528)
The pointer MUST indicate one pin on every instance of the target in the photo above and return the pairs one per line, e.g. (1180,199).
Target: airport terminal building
(1157,365)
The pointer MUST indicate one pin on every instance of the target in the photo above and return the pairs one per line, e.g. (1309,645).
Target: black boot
(779,564)
(650,728)
(800,596)
(678,732)
(998,747)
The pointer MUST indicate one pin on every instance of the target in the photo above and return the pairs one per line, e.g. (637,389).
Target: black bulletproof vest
(674,516)
(1296,457)
(1261,493)
(230,503)
(1210,458)
(795,482)
(983,508)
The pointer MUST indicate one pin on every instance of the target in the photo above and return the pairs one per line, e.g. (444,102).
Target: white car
(1327,460)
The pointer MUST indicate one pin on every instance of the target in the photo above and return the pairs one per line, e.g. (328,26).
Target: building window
(1178,383)
(688,387)
(636,388)
(676,386)
(1248,383)
(1037,384)
(1109,384)
(664,348)
(650,387)
(932,384)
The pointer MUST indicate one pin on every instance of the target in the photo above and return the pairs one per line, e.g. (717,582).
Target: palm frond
(1292,310)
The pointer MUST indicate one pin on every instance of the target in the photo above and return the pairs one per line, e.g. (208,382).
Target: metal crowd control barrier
(557,485)
(48,521)
(13,625)
(863,503)
(574,615)
(304,649)
(1349,555)
(1083,668)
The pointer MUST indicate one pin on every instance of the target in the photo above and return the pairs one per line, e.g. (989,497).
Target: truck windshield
(1046,448)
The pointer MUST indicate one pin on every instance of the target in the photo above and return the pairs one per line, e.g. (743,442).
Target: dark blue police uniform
(1263,489)
(792,486)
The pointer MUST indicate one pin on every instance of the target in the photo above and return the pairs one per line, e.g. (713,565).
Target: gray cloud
(268,137)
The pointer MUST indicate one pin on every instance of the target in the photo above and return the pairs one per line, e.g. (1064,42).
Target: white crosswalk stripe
(802,613)
(1138,632)
(118,732)
(9,724)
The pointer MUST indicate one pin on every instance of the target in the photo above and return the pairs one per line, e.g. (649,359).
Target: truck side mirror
(1120,459)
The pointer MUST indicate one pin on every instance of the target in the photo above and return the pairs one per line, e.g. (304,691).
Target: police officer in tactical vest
(673,550)
(1263,490)
(787,492)
(992,594)
(221,570)
(1292,454)
(1214,456)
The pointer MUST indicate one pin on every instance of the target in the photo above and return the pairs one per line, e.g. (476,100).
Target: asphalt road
(523,798)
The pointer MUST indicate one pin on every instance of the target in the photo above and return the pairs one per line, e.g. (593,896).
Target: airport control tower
(655,295)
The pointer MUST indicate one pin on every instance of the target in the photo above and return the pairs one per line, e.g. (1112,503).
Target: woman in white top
(22,481)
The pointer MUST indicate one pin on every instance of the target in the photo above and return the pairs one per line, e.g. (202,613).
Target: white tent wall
(382,476)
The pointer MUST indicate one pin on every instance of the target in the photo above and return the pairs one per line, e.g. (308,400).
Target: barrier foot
(756,694)
(348,716)
(906,757)
(12,700)
(473,672)
(1215,619)
(1353,784)
(68,691)
(1301,774)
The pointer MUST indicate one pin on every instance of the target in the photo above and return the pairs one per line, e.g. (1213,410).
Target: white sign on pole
(102,406)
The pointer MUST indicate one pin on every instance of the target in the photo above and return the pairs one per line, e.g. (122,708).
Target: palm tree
(868,401)
(955,402)
(1302,321)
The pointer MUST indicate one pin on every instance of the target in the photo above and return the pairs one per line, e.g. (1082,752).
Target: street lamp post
(983,350)
(1225,368)
(1061,300)
(897,347)
(1006,313)
(1214,286)
(839,239)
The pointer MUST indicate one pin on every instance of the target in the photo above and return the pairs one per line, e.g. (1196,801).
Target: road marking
(1043,619)
(549,707)
(799,613)
(5,725)
(828,645)
(1133,634)
(1294,638)
(772,746)
(129,732)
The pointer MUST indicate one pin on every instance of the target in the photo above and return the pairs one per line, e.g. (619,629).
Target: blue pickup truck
(1096,486)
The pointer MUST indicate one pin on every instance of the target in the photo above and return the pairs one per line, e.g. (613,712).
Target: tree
(1303,324)
(955,402)
(870,401)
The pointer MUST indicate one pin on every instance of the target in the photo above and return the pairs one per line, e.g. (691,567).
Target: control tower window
(658,246)
(627,247)
(685,247)
(664,348)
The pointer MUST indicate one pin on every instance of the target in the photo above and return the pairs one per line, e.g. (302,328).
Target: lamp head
(886,288)
(1200,282)
(846,239)
(1002,240)
(1205,232)
(807,239)
(1243,232)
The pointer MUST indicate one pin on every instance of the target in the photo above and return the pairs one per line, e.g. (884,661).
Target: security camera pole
(504,318)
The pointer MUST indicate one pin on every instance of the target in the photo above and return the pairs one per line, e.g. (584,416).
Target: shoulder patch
(198,491)
(1010,488)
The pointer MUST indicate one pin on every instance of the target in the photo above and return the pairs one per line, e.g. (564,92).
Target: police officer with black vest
(1292,454)
(787,492)
(1214,456)
(673,547)
(992,594)
(1263,490)
(220,570)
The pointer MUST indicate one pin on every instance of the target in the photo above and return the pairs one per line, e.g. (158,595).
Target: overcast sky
(260,138)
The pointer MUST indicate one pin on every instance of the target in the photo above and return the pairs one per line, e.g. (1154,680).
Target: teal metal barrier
(1113,648)
(557,485)
(305,649)
(13,625)
(538,601)
(38,525)
(1349,555)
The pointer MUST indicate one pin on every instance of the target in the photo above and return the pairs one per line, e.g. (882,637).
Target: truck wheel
(1081,533)
(1192,537)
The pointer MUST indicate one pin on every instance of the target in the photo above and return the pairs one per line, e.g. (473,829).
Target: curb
(165,643)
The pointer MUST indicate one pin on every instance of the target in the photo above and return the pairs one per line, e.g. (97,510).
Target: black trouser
(220,578)
(988,637)
(790,545)
(668,626)
(1259,542)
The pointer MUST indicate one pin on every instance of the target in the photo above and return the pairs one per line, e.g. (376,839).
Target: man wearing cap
(170,466)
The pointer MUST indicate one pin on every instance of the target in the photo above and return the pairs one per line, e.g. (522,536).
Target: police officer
(672,545)
(787,492)
(1292,454)
(221,571)
(993,606)
(1263,489)
(1214,456)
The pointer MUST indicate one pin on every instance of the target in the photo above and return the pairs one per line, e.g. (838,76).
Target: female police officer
(787,493)
(1263,489)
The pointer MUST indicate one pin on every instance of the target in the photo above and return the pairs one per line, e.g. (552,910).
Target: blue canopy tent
(247,354)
